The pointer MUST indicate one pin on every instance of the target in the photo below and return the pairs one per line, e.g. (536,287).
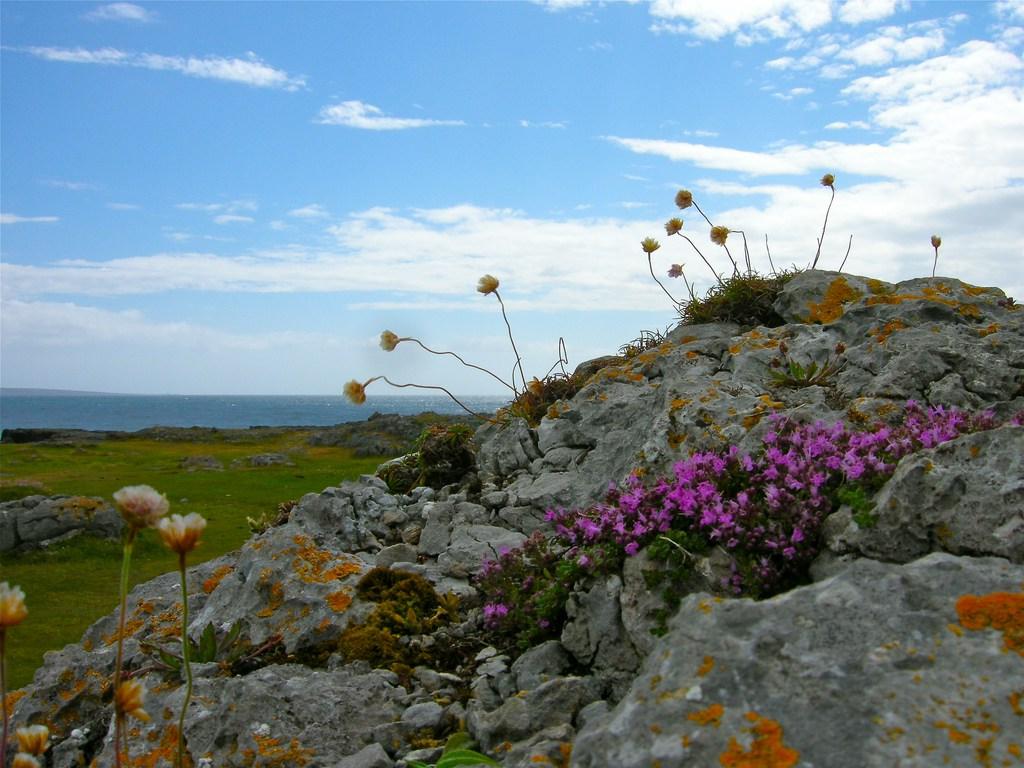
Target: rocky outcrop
(903,647)
(36,521)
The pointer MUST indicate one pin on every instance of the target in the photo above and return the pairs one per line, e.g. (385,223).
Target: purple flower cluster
(764,511)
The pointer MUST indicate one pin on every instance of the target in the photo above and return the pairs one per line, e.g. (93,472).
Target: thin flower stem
(702,214)
(849,245)
(678,546)
(457,357)
(670,296)
(431,386)
(519,360)
(126,559)
(936,262)
(713,272)
(3,697)
(768,251)
(184,662)
(822,238)
(735,269)
(563,358)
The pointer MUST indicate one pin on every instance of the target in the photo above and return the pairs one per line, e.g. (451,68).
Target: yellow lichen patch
(704,606)
(692,355)
(163,754)
(310,563)
(975,290)
(988,330)
(830,308)
(275,601)
(13,698)
(708,716)
(655,728)
(882,333)
(767,749)
(216,578)
(130,628)
(339,601)
(877,287)
(687,339)
(706,666)
(655,682)
(1001,611)
(272,754)
(1015,699)
(679,403)
(956,736)
(675,439)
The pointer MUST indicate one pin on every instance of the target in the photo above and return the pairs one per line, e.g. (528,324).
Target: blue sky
(239,197)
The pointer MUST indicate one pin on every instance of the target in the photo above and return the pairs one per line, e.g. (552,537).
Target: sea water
(128,413)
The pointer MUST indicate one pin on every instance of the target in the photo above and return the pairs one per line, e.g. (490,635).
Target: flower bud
(650,245)
(684,199)
(719,234)
(487,284)
(828,180)
(936,241)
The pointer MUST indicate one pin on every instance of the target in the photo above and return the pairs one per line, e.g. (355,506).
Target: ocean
(128,413)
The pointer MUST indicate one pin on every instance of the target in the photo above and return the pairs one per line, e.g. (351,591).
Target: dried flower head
(676,270)
(22,760)
(936,241)
(684,198)
(536,387)
(130,698)
(12,605)
(487,284)
(828,180)
(388,341)
(355,392)
(719,234)
(35,739)
(650,245)
(673,226)
(140,505)
(181,534)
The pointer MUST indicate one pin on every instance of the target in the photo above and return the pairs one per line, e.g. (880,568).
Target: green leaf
(208,644)
(232,635)
(168,658)
(458,740)
(464,757)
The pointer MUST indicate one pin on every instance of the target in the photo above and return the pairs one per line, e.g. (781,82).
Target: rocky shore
(903,646)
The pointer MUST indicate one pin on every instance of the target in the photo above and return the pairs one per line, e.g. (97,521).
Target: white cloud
(748,21)
(560,5)
(792,93)
(232,206)
(250,71)
(121,12)
(1010,9)
(840,125)
(123,206)
(232,218)
(65,324)
(857,11)
(313,211)
(892,43)
(545,124)
(72,186)
(358,114)
(13,218)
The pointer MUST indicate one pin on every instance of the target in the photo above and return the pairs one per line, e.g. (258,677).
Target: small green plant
(271,518)
(458,751)
(787,372)
(225,650)
(859,499)
(645,341)
(445,454)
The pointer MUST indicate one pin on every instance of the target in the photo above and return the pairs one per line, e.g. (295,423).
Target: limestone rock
(881,665)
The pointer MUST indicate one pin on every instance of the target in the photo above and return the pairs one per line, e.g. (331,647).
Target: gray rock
(396,553)
(965,496)
(540,664)
(740,677)
(555,702)
(437,531)
(372,756)
(429,714)
(505,448)
(472,544)
(594,634)
(35,520)
(207,463)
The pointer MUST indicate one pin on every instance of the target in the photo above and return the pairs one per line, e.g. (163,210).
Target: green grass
(73,584)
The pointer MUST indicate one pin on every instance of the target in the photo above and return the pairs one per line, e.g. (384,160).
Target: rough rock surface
(878,666)
(872,664)
(38,520)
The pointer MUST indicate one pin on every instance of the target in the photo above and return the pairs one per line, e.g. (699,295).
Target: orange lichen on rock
(216,578)
(1015,699)
(272,755)
(988,330)
(1001,611)
(275,602)
(708,716)
(339,601)
(163,754)
(882,333)
(830,308)
(706,666)
(766,750)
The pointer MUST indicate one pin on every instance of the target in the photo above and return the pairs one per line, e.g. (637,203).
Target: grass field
(69,586)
